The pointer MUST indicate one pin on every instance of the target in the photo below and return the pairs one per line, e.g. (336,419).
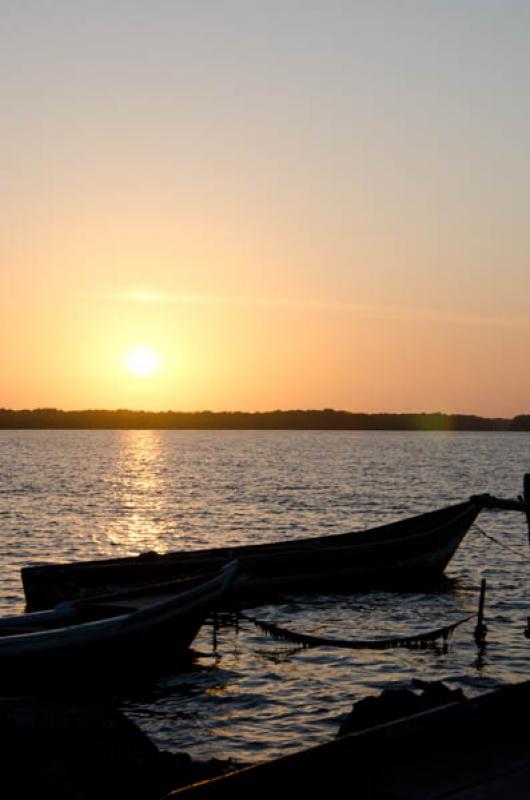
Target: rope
(498,542)
(305,640)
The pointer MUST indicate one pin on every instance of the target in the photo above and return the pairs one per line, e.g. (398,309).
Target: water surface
(67,495)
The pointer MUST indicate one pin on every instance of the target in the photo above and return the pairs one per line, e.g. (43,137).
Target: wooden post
(481,629)
(215,627)
(526,499)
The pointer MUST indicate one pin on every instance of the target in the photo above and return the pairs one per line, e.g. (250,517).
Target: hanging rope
(505,546)
(305,640)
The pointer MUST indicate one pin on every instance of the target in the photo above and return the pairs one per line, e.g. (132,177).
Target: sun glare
(142,362)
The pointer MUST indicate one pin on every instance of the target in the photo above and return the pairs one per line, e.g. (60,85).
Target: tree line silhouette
(325,419)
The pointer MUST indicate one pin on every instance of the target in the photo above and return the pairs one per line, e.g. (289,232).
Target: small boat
(469,750)
(121,633)
(407,553)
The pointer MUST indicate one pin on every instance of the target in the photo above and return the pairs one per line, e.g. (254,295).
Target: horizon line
(279,411)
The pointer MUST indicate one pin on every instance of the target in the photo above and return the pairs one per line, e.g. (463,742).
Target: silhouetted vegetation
(326,419)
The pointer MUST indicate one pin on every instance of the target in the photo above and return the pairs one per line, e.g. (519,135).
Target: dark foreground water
(85,494)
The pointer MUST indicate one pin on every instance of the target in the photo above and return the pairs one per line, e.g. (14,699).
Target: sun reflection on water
(139,481)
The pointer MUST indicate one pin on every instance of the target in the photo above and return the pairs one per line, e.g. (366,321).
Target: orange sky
(294,205)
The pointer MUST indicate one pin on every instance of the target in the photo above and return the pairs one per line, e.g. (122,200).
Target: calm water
(84,494)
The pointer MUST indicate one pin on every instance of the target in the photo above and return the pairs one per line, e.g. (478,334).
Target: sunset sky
(280,204)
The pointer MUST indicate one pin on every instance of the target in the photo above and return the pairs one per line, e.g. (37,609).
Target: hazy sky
(294,204)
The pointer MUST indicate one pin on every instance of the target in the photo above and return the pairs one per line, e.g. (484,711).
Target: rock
(436,693)
(63,749)
(73,749)
(394,704)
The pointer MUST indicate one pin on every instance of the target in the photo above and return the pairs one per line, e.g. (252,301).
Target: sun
(142,362)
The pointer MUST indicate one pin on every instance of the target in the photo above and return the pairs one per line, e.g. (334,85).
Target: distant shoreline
(326,419)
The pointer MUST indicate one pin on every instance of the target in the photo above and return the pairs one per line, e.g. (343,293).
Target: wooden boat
(110,633)
(476,749)
(406,553)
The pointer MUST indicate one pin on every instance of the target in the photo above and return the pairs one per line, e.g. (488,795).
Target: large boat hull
(403,553)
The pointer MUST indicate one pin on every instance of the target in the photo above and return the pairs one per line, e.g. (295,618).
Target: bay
(69,495)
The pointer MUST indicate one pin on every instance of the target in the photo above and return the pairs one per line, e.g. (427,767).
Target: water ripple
(67,495)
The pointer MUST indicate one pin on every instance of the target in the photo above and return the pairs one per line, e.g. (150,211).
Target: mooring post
(481,629)
(526,499)
(215,628)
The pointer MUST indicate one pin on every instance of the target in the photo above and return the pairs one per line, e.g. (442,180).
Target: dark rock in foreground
(394,704)
(76,750)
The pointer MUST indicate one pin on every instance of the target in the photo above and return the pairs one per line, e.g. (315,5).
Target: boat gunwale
(74,634)
(322,543)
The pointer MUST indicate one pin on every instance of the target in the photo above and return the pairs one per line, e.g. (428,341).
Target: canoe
(406,553)
(111,633)
(476,749)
